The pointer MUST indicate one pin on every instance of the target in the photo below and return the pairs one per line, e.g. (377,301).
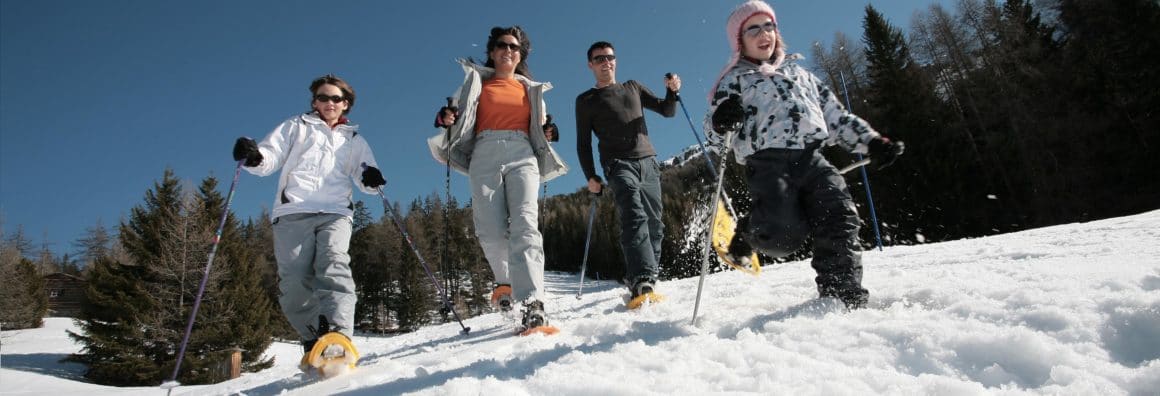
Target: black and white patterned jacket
(789,109)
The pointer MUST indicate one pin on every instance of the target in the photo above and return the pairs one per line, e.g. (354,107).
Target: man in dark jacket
(614,112)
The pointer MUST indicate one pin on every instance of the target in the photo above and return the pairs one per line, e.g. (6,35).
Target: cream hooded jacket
(461,135)
(319,165)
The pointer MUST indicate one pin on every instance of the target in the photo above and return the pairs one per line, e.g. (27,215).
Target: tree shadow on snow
(46,364)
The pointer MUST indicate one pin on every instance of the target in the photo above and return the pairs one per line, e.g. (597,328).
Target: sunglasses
(603,58)
(752,31)
(500,45)
(329,98)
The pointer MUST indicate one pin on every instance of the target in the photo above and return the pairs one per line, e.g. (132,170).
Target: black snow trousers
(798,192)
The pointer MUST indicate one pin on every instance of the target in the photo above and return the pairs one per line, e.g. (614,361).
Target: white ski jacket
(461,135)
(789,109)
(318,165)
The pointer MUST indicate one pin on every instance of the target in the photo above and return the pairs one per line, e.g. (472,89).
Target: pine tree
(23,301)
(242,310)
(136,316)
(116,348)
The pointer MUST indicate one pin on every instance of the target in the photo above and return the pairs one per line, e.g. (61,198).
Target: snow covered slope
(1071,309)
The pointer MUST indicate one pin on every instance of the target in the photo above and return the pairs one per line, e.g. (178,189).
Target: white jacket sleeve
(846,129)
(361,154)
(728,86)
(274,148)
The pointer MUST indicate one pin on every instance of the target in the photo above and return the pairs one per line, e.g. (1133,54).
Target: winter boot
(643,293)
(642,286)
(304,363)
(534,315)
(854,297)
(739,251)
(501,298)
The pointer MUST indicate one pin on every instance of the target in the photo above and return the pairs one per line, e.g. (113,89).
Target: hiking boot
(534,315)
(740,253)
(501,297)
(853,298)
(642,286)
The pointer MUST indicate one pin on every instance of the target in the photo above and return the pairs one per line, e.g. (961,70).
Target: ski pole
(204,278)
(399,223)
(587,240)
(444,253)
(865,179)
(709,231)
(705,151)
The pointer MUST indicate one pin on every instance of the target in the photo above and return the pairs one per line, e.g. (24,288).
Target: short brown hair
(347,91)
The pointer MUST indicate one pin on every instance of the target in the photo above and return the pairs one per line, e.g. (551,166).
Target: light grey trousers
(314,271)
(505,180)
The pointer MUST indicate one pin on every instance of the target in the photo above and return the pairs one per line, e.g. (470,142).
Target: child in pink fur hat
(780,115)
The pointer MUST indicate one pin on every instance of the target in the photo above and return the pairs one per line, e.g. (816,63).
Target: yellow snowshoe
(723,230)
(333,354)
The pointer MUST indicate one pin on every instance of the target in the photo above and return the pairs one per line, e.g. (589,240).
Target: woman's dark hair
(347,91)
(525,47)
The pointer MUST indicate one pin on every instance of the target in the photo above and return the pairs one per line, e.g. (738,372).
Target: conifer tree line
(1016,115)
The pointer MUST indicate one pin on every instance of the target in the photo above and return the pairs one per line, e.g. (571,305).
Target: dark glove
(550,130)
(247,149)
(884,152)
(372,178)
(450,108)
(729,115)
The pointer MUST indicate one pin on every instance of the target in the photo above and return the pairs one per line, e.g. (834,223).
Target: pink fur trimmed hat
(733,28)
(739,15)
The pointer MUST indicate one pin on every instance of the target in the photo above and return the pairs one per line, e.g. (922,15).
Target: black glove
(884,152)
(550,130)
(450,108)
(372,178)
(247,149)
(729,115)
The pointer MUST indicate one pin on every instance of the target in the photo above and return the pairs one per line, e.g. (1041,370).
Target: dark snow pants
(796,192)
(636,187)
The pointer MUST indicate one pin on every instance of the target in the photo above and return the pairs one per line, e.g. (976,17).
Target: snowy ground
(1072,309)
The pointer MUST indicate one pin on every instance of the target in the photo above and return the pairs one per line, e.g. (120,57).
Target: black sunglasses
(753,30)
(329,98)
(603,58)
(509,46)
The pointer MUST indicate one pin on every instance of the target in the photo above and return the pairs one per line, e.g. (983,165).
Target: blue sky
(98,98)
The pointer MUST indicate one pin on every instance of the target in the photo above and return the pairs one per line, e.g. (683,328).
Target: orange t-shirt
(503,105)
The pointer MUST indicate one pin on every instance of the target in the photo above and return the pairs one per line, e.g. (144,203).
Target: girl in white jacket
(321,155)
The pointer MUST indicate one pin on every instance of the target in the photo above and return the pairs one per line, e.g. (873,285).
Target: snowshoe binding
(330,355)
(535,321)
(501,298)
(740,257)
(643,294)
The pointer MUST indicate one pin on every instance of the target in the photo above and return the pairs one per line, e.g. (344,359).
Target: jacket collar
(344,124)
(487,72)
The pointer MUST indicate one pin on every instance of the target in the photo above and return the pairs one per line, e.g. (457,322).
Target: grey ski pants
(636,187)
(505,179)
(314,271)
